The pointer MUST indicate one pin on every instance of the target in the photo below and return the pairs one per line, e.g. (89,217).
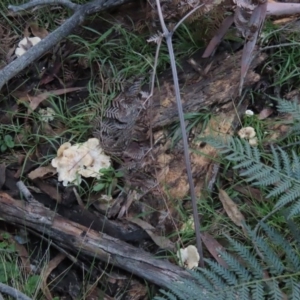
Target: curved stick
(8,290)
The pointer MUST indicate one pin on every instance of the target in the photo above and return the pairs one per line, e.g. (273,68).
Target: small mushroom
(253,142)
(26,44)
(247,133)
(47,114)
(249,112)
(188,257)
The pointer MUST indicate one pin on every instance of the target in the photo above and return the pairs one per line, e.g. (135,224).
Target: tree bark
(201,92)
(84,241)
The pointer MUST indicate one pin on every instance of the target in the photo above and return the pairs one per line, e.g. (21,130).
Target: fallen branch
(35,3)
(84,241)
(8,290)
(213,91)
(80,13)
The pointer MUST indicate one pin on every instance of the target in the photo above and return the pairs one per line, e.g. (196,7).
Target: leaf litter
(56,74)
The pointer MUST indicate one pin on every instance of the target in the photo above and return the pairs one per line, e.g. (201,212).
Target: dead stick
(8,290)
(35,3)
(168,36)
(83,241)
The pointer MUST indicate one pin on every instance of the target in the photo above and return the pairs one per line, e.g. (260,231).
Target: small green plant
(8,266)
(108,181)
(283,61)
(6,142)
(11,268)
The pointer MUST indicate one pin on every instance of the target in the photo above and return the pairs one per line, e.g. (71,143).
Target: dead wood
(5,289)
(84,241)
(80,13)
(215,89)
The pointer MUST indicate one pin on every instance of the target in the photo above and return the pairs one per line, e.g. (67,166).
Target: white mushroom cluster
(188,257)
(26,44)
(47,114)
(248,133)
(85,160)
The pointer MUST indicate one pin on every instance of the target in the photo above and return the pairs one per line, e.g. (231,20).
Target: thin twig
(186,16)
(168,36)
(31,4)
(278,46)
(8,290)
(152,89)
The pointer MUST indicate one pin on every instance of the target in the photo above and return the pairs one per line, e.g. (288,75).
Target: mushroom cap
(188,257)
(32,40)
(25,44)
(253,142)
(247,133)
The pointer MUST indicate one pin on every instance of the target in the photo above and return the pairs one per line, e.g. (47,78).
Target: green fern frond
(258,275)
(281,175)
(235,266)
(296,166)
(281,187)
(272,260)
(289,107)
(276,238)
(275,293)
(228,276)
(247,257)
(293,228)
(289,196)
(258,290)
(296,127)
(294,286)
(295,209)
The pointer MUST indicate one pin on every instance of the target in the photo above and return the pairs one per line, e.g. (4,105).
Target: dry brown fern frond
(8,45)
(115,129)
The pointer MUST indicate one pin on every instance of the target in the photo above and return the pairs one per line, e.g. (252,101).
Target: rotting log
(218,87)
(84,241)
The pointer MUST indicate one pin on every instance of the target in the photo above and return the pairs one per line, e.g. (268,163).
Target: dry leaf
(265,113)
(215,41)
(46,272)
(231,209)
(40,172)
(250,192)
(213,247)
(35,101)
(38,31)
(50,190)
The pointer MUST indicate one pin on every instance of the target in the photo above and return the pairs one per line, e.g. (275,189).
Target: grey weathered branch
(81,240)
(56,36)
(10,291)
(35,3)
(280,9)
